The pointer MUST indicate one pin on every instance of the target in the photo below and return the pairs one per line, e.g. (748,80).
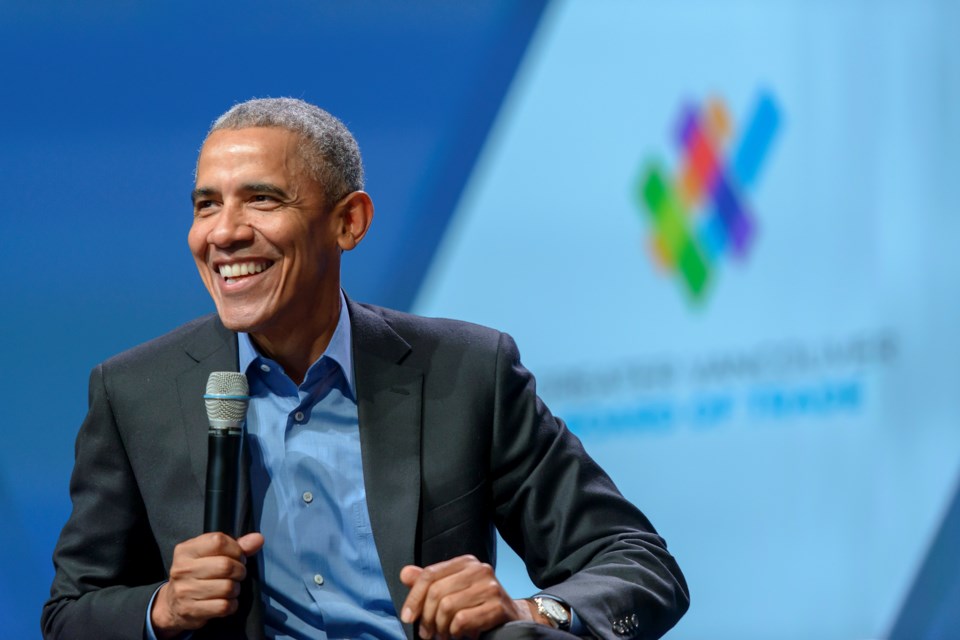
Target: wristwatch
(553,611)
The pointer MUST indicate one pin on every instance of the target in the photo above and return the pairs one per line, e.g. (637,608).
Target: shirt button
(265,368)
(307,497)
(318,579)
(298,416)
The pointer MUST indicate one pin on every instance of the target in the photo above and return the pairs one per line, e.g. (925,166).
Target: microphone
(226,398)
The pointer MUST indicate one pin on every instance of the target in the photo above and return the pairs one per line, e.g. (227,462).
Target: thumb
(250,543)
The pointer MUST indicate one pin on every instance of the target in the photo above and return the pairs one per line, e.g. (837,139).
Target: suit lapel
(389,406)
(213,348)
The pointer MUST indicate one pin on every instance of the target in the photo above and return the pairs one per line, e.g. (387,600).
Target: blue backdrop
(790,429)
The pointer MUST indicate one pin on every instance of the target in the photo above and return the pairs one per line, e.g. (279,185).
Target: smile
(230,272)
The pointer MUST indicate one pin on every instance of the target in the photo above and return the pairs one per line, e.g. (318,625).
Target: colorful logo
(703,215)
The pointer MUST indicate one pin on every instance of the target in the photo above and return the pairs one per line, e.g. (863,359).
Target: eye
(201,207)
(265,201)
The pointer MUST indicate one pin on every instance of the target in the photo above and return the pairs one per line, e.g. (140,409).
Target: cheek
(196,240)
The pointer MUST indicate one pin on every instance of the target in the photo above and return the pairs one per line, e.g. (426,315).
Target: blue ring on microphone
(218,396)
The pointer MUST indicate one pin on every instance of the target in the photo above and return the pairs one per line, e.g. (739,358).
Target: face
(265,242)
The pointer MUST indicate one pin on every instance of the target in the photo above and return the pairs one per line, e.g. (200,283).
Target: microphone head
(227,397)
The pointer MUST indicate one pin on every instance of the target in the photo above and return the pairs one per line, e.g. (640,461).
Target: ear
(353,215)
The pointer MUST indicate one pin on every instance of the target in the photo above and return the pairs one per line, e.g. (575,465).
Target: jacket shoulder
(186,344)
(416,328)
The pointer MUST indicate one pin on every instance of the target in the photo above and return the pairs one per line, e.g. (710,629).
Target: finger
(475,585)
(207,568)
(199,611)
(413,605)
(220,608)
(409,574)
(196,591)
(470,623)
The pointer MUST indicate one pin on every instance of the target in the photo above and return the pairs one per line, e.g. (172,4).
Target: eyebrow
(251,187)
(202,192)
(265,187)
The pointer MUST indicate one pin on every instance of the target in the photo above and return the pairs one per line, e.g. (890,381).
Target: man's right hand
(204,582)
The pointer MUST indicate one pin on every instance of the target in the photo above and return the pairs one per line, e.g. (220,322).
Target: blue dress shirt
(320,572)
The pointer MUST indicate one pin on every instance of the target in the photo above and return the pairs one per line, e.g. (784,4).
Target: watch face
(554,610)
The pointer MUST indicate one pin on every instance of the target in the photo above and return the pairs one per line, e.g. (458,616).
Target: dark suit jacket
(454,443)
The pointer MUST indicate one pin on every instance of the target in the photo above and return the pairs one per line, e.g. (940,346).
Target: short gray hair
(326,145)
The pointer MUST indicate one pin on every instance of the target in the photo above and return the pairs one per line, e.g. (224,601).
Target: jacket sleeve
(581,540)
(107,563)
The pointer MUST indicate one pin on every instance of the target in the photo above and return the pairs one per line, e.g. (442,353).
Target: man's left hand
(458,598)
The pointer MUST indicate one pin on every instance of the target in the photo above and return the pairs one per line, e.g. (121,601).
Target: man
(382,449)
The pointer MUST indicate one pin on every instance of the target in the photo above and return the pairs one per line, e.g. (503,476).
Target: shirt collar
(339,350)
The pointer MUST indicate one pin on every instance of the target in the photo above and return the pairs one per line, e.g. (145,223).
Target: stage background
(768,366)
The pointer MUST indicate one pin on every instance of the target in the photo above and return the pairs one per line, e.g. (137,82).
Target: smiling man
(382,449)
(267,240)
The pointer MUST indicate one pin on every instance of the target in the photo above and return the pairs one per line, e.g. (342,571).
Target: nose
(230,227)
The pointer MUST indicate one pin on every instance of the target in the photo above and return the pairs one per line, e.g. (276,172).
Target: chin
(239,327)
(239,322)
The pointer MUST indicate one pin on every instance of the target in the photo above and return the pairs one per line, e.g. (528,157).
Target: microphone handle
(223,462)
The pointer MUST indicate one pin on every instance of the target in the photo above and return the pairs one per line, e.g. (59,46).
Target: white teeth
(241,269)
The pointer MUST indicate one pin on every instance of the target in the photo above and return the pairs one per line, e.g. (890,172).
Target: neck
(297,350)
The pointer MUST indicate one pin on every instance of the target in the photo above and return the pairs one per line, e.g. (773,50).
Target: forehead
(264,149)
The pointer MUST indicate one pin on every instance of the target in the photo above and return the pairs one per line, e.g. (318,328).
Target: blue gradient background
(501,141)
